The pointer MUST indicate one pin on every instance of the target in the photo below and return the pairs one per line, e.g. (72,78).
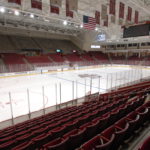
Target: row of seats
(73,58)
(103,58)
(39,60)
(18,62)
(90,129)
(131,90)
(46,123)
(112,137)
(15,62)
(132,60)
(49,123)
(81,121)
(87,57)
(86,131)
(57,57)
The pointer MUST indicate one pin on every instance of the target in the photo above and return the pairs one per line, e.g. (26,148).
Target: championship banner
(97,17)
(112,7)
(69,13)
(136,18)
(121,10)
(129,15)
(36,4)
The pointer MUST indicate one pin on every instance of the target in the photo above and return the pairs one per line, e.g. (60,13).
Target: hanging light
(31,15)
(81,26)
(96,29)
(16,12)
(65,22)
(2,10)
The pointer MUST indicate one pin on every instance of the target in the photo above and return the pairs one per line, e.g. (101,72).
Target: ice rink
(32,93)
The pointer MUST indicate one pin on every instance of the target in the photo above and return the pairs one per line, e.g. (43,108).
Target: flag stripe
(89,22)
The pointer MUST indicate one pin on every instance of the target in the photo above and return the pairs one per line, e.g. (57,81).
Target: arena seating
(118,59)
(39,60)
(2,67)
(73,57)
(147,61)
(134,60)
(114,135)
(27,63)
(95,124)
(103,58)
(14,62)
(87,57)
(56,57)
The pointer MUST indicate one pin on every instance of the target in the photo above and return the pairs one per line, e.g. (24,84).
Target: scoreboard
(137,30)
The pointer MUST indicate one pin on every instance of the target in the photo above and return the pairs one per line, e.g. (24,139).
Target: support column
(28,97)
(43,100)
(56,95)
(60,92)
(11,108)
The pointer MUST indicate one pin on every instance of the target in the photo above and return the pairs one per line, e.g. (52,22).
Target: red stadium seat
(24,146)
(107,135)
(58,132)
(71,125)
(105,144)
(134,121)
(123,126)
(76,139)
(143,112)
(8,145)
(24,138)
(57,144)
(92,129)
(6,139)
(72,132)
(91,144)
(42,139)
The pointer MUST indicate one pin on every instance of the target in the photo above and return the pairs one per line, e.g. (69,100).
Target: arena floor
(38,91)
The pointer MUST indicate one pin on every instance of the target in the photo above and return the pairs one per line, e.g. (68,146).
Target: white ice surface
(17,86)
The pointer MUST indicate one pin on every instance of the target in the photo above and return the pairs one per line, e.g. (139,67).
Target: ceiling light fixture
(16,12)
(2,10)
(65,22)
(31,15)
(81,26)
(96,29)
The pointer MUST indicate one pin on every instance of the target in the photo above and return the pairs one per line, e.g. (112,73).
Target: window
(129,45)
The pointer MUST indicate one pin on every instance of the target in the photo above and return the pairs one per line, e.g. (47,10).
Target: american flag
(89,23)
